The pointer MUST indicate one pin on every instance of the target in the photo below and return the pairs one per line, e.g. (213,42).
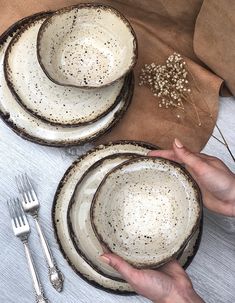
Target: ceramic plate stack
(65,77)
(88,190)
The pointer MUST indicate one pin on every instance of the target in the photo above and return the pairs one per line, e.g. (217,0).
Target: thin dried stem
(169,83)
(218,140)
(225,142)
(216,125)
(197,88)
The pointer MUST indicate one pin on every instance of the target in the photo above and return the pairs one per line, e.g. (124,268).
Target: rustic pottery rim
(71,203)
(57,193)
(11,85)
(195,187)
(56,234)
(59,143)
(80,6)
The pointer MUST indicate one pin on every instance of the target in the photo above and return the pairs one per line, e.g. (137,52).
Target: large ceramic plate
(146,210)
(60,210)
(36,130)
(56,104)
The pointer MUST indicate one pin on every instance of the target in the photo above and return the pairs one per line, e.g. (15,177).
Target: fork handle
(36,282)
(55,275)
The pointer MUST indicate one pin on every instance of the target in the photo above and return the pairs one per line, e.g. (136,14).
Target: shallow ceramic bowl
(146,210)
(87,45)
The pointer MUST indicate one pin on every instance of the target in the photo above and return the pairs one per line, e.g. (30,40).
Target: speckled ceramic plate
(60,210)
(34,129)
(56,104)
(80,228)
(82,234)
(146,210)
(87,45)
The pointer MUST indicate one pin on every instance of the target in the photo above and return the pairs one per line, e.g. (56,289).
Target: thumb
(125,269)
(185,156)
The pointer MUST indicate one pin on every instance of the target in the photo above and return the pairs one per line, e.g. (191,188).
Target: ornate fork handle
(55,274)
(36,282)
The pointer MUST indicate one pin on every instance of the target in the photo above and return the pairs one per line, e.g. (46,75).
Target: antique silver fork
(31,205)
(21,230)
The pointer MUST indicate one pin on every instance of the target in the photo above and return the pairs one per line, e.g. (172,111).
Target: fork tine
(22,188)
(27,187)
(11,211)
(15,213)
(28,181)
(17,209)
(10,208)
(30,187)
(22,216)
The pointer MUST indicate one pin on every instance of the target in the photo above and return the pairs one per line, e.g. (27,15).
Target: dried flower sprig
(168,82)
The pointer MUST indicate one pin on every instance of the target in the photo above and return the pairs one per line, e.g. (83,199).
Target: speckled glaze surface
(61,206)
(36,130)
(56,104)
(87,45)
(145,210)
(60,211)
(80,228)
(81,231)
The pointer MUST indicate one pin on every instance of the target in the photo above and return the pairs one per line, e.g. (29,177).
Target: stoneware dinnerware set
(147,210)
(66,78)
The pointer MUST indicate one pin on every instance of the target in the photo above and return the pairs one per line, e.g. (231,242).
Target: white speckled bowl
(146,210)
(87,45)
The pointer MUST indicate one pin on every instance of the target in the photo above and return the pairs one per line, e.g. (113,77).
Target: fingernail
(105,259)
(178,143)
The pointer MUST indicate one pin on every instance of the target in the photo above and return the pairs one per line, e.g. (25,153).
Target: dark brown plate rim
(71,203)
(11,85)
(61,143)
(57,193)
(155,159)
(53,211)
(80,6)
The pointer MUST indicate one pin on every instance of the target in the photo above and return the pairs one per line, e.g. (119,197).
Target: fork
(21,230)
(31,205)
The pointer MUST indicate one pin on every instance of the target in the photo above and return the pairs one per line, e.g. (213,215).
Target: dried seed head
(167,82)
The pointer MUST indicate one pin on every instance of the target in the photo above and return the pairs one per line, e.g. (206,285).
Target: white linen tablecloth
(212,271)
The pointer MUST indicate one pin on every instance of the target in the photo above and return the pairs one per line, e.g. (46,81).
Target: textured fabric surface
(212,270)
(214,41)
(162,27)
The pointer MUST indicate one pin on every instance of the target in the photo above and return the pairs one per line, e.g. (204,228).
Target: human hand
(216,181)
(169,284)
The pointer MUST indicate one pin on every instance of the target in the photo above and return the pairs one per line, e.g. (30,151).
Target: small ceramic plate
(60,210)
(36,130)
(87,45)
(81,232)
(146,210)
(55,104)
